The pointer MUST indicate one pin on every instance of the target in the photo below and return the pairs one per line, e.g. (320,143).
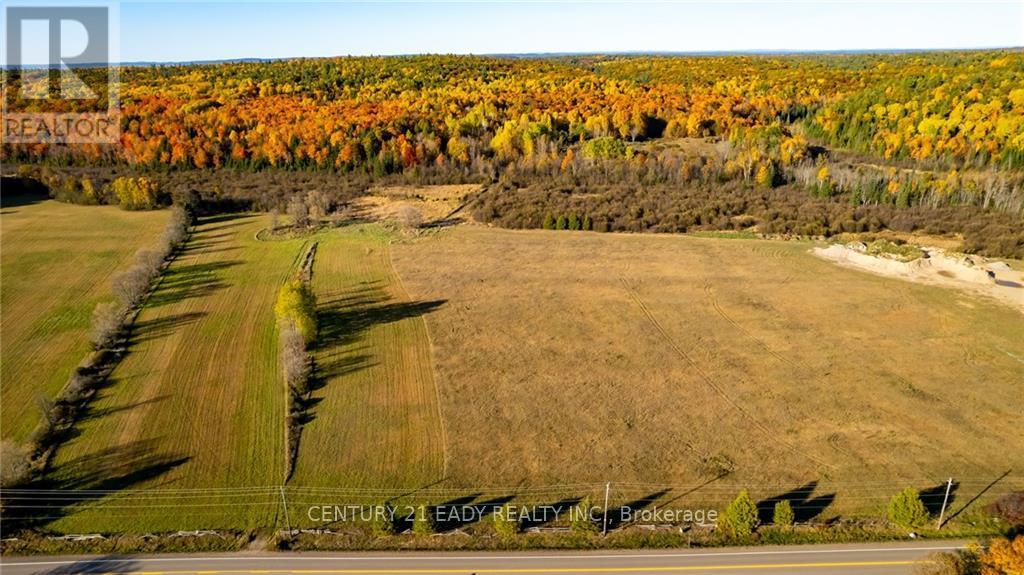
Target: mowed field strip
(57,263)
(376,421)
(198,402)
(583,357)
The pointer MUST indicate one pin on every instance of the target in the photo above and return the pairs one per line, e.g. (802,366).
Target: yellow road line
(532,570)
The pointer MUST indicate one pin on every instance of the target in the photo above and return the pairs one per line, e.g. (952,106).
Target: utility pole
(604,523)
(942,514)
(284,503)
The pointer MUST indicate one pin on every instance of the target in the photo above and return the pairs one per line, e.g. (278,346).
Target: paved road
(867,559)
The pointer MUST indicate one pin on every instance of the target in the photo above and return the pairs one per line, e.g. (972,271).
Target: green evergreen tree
(424,522)
(740,517)
(907,510)
(562,223)
(580,520)
(549,222)
(384,519)
(574,222)
(506,523)
(783,514)
(588,224)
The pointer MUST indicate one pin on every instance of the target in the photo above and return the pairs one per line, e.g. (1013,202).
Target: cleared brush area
(58,260)
(198,401)
(566,357)
(375,418)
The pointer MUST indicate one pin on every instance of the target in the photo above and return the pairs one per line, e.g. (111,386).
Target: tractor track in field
(442,426)
(708,380)
(710,293)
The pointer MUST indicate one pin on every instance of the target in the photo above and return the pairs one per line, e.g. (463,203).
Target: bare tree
(410,216)
(318,205)
(14,467)
(106,323)
(299,212)
(130,286)
(294,359)
(150,260)
(176,230)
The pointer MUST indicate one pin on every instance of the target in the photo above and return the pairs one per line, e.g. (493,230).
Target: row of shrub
(741,518)
(111,322)
(570,222)
(738,521)
(295,309)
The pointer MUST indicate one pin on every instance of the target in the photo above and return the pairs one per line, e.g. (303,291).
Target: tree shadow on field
(104,564)
(463,511)
(557,509)
(219,218)
(189,281)
(91,412)
(157,328)
(18,191)
(805,507)
(85,482)
(933,496)
(617,515)
(344,320)
(976,497)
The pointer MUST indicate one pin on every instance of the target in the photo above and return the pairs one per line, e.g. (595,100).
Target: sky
(188,31)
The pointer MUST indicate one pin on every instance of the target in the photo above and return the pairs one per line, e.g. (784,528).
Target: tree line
(295,309)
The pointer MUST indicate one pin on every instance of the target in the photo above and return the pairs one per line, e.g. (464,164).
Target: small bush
(1009,508)
(901,252)
(410,216)
(959,563)
(506,524)
(604,148)
(14,466)
(783,514)
(383,520)
(580,520)
(424,522)
(740,517)
(907,510)
(130,286)
(177,229)
(106,324)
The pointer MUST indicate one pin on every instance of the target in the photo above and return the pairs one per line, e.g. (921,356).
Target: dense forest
(868,136)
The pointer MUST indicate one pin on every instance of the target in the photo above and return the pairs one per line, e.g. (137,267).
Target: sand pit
(975,274)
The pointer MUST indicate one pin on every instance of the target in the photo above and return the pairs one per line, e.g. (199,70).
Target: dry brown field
(567,357)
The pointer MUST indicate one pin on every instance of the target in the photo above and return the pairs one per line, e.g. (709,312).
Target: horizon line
(535,55)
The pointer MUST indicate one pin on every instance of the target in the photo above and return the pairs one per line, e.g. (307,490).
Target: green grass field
(198,402)
(376,421)
(56,266)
